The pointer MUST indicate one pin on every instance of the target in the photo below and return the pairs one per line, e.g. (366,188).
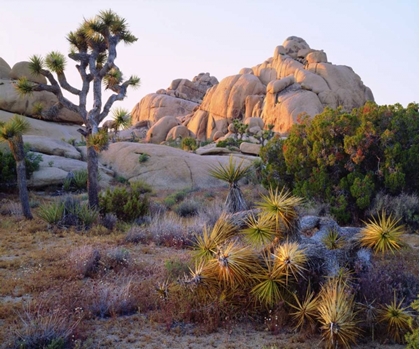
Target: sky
(379,39)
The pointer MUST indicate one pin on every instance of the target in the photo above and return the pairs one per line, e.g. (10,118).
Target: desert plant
(269,283)
(289,260)
(86,215)
(412,337)
(232,264)
(332,240)
(126,203)
(232,173)
(51,213)
(143,157)
(369,314)
(336,314)
(12,131)
(121,118)
(186,208)
(94,48)
(80,179)
(281,208)
(305,310)
(260,231)
(43,328)
(189,144)
(382,234)
(397,319)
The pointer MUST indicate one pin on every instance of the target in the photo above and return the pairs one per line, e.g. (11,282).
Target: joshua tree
(93,47)
(121,118)
(232,174)
(12,131)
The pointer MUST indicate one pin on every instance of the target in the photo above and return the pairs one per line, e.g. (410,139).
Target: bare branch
(64,84)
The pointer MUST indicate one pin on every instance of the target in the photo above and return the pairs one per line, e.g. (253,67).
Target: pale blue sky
(379,39)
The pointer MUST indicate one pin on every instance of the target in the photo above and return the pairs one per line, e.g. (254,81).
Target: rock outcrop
(165,168)
(296,81)
(180,99)
(34,105)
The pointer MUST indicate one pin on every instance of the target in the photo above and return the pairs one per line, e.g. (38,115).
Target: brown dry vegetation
(108,287)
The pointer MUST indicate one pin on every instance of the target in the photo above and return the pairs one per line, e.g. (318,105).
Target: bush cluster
(127,203)
(344,158)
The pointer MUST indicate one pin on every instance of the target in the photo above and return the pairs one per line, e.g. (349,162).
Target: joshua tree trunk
(18,152)
(92,184)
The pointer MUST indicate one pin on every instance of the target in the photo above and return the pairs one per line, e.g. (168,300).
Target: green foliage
(8,176)
(189,144)
(345,158)
(412,337)
(228,143)
(51,213)
(127,204)
(143,157)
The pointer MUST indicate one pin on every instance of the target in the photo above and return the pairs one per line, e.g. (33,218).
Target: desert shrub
(8,176)
(188,143)
(228,143)
(388,274)
(176,197)
(41,327)
(412,337)
(109,221)
(51,213)
(345,158)
(84,261)
(143,157)
(126,203)
(187,208)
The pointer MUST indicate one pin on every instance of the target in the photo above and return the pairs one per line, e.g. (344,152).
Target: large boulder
(53,170)
(21,69)
(155,106)
(225,102)
(159,131)
(61,131)
(51,146)
(12,102)
(165,168)
(4,69)
(179,99)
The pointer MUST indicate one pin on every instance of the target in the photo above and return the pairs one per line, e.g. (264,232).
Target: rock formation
(180,99)
(296,81)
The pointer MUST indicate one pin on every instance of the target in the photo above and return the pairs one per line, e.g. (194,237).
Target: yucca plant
(232,173)
(336,314)
(121,118)
(269,284)
(289,260)
(261,230)
(332,240)
(281,208)
(397,319)
(86,215)
(205,244)
(305,310)
(12,131)
(369,314)
(51,213)
(232,264)
(80,179)
(382,234)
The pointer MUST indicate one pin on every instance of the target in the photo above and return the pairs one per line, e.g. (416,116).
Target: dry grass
(109,285)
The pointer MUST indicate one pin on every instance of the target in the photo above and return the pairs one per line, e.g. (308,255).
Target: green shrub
(127,204)
(228,142)
(143,157)
(344,158)
(51,213)
(188,143)
(187,208)
(8,176)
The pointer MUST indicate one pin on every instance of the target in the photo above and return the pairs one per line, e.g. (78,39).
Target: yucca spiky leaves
(269,283)
(36,63)
(24,87)
(206,243)
(13,128)
(99,141)
(122,118)
(232,264)
(305,310)
(56,62)
(281,207)
(397,319)
(232,173)
(289,260)
(336,314)
(261,230)
(332,240)
(382,234)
